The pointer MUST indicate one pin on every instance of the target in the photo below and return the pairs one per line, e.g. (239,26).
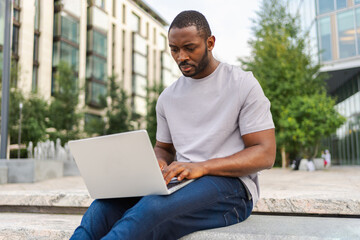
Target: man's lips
(185,68)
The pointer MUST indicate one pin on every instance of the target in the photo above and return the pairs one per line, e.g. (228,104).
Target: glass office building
(336,24)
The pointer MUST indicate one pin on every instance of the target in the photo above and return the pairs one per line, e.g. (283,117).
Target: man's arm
(165,153)
(259,154)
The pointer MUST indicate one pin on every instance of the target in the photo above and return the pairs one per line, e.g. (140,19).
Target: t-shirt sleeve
(162,131)
(255,113)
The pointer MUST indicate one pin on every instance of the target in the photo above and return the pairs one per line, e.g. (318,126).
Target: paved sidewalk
(332,191)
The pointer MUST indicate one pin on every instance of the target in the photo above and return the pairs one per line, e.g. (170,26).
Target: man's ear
(210,43)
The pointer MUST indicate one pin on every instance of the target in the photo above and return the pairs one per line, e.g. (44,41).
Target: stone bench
(259,227)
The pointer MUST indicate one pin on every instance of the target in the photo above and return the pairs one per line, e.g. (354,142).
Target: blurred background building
(334,34)
(97,38)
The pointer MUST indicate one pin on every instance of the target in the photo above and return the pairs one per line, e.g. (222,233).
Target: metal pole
(5,81)
(19,138)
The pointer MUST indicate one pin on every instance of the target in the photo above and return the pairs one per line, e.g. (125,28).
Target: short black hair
(192,18)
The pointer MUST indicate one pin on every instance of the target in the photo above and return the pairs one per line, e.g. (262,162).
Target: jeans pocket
(237,214)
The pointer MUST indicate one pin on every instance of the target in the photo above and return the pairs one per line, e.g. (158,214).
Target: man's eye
(174,49)
(190,49)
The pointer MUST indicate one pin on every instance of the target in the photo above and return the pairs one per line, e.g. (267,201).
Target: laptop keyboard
(174,182)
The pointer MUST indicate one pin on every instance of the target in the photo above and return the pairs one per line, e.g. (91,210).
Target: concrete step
(313,194)
(257,227)
(16,226)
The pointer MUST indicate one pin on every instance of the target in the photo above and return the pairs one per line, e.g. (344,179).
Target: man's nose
(183,56)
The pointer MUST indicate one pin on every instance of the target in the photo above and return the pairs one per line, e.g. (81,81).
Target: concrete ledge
(31,170)
(273,205)
(259,227)
(3,174)
(70,192)
(321,206)
(81,199)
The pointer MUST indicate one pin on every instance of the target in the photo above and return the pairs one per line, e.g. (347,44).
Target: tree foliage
(34,112)
(281,61)
(34,115)
(152,97)
(306,120)
(119,112)
(63,114)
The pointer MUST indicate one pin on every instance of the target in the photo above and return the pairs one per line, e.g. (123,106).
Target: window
(357,1)
(139,74)
(66,52)
(346,34)
(123,14)
(96,94)
(94,123)
(35,62)
(36,48)
(114,6)
(70,29)
(139,85)
(162,42)
(15,40)
(357,14)
(97,91)
(325,6)
(99,3)
(37,16)
(97,42)
(34,79)
(96,68)
(113,52)
(97,18)
(140,45)
(135,23)
(140,64)
(16,16)
(123,38)
(72,6)
(16,11)
(341,4)
(325,38)
(154,36)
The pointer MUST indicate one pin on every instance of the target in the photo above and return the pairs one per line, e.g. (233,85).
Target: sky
(230,22)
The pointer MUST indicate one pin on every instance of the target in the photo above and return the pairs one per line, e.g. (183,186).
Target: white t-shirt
(205,118)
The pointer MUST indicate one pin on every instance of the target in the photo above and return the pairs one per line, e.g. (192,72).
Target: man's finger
(183,175)
(172,171)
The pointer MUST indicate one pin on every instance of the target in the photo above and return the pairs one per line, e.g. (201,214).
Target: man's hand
(162,164)
(183,170)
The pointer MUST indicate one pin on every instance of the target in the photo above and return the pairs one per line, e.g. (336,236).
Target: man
(216,122)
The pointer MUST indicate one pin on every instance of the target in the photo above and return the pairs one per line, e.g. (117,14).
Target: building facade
(334,27)
(97,38)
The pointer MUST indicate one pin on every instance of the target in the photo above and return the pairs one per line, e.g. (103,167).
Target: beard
(200,66)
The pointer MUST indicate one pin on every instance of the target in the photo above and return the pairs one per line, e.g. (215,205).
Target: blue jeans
(208,202)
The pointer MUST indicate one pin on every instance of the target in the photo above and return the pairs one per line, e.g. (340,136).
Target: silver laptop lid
(119,165)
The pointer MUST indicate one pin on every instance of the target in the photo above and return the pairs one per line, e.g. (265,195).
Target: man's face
(190,51)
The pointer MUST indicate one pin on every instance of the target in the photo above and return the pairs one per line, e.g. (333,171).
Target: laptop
(121,165)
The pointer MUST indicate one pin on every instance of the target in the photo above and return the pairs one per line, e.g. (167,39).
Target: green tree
(308,119)
(63,115)
(152,97)
(33,123)
(34,112)
(94,126)
(283,65)
(118,113)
